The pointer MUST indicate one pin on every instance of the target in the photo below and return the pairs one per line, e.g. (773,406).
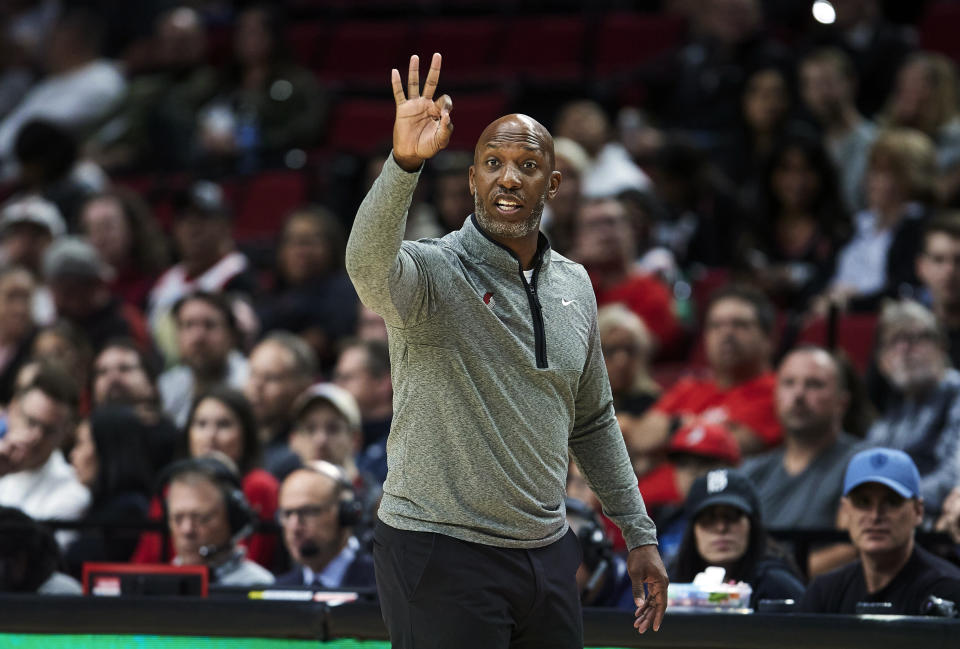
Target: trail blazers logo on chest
(488,299)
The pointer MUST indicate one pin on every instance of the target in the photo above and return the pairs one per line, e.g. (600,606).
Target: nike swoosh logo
(566,302)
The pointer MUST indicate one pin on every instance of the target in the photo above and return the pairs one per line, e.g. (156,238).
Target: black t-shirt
(923,575)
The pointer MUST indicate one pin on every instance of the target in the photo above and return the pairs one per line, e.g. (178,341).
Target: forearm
(602,458)
(823,560)
(373,249)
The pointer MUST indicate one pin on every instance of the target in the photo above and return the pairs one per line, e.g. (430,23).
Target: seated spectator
(738,331)
(883,506)
(559,215)
(264,103)
(949,520)
(938,269)
(154,124)
(922,415)
(207,337)
(80,88)
(694,450)
(28,226)
(209,260)
(450,200)
(605,244)
(763,118)
(611,171)
(29,558)
(64,346)
(79,282)
(114,458)
(700,216)
(326,426)
(282,366)
(726,529)
(17,327)
(221,421)
(34,475)
(51,167)
(828,82)
(792,239)
(925,98)
(119,225)
(207,515)
(319,516)
(124,375)
(312,296)
(800,484)
(879,259)
(363,370)
(627,351)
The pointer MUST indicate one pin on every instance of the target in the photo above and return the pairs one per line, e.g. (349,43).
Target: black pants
(437,592)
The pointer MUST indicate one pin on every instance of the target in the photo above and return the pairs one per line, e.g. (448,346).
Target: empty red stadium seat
(549,48)
(365,52)
(361,125)
(305,41)
(472,114)
(467,46)
(855,334)
(625,40)
(938,29)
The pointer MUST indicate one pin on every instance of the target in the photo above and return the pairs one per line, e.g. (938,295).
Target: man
(800,484)
(882,502)
(829,90)
(938,269)
(209,260)
(79,282)
(499,379)
(739,393)
(17,326)
(605,243)
(363,369)
(122,374)
(34,476)
(922,415)
(206,336)
(282,366)
(318,515)
(207,514)
(27,228)
(80,88)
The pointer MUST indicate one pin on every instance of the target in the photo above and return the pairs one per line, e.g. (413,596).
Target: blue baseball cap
(885,466)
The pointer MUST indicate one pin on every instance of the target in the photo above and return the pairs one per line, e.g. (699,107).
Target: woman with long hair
(725,529)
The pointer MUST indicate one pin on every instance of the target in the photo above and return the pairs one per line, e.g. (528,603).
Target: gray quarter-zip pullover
(494,380)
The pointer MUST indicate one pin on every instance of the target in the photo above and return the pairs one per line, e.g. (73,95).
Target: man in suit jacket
(318,514)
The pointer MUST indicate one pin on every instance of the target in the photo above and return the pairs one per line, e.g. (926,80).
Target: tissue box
(716,598)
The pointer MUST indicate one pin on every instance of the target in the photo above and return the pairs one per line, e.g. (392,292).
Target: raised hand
(645,567)
(422,127)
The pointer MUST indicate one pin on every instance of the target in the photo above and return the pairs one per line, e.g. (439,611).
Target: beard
(509,230)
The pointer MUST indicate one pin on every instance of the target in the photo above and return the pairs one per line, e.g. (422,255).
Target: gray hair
(304,358)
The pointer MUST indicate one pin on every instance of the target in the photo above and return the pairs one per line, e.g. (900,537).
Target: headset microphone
(211,549)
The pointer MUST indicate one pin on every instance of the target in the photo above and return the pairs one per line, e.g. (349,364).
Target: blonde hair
(912,157)
(617,316)
(941,74)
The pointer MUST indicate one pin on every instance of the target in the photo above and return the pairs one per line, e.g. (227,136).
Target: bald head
(516,129)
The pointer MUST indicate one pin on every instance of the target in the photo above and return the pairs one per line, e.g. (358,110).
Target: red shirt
(646,296)
(260,489)
(749,403)
(659,487)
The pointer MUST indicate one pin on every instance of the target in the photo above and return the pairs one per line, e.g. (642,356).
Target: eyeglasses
(910,338)
(305,513)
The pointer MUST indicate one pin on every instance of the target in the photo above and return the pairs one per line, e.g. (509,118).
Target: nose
(509,176)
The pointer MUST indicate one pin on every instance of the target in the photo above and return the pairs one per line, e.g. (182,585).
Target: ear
(470,181)
(555,178)
(918,511)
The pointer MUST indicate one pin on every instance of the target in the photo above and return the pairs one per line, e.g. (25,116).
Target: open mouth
(507,205)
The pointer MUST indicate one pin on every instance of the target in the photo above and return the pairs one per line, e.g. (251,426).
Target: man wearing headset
(207,515)
(318,513)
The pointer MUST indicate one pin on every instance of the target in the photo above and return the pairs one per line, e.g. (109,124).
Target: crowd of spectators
(772,230)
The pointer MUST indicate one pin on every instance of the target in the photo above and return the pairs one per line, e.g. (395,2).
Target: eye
(530,164)
(492,163)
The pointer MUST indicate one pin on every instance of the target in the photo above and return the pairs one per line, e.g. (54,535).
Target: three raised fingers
(413,80)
